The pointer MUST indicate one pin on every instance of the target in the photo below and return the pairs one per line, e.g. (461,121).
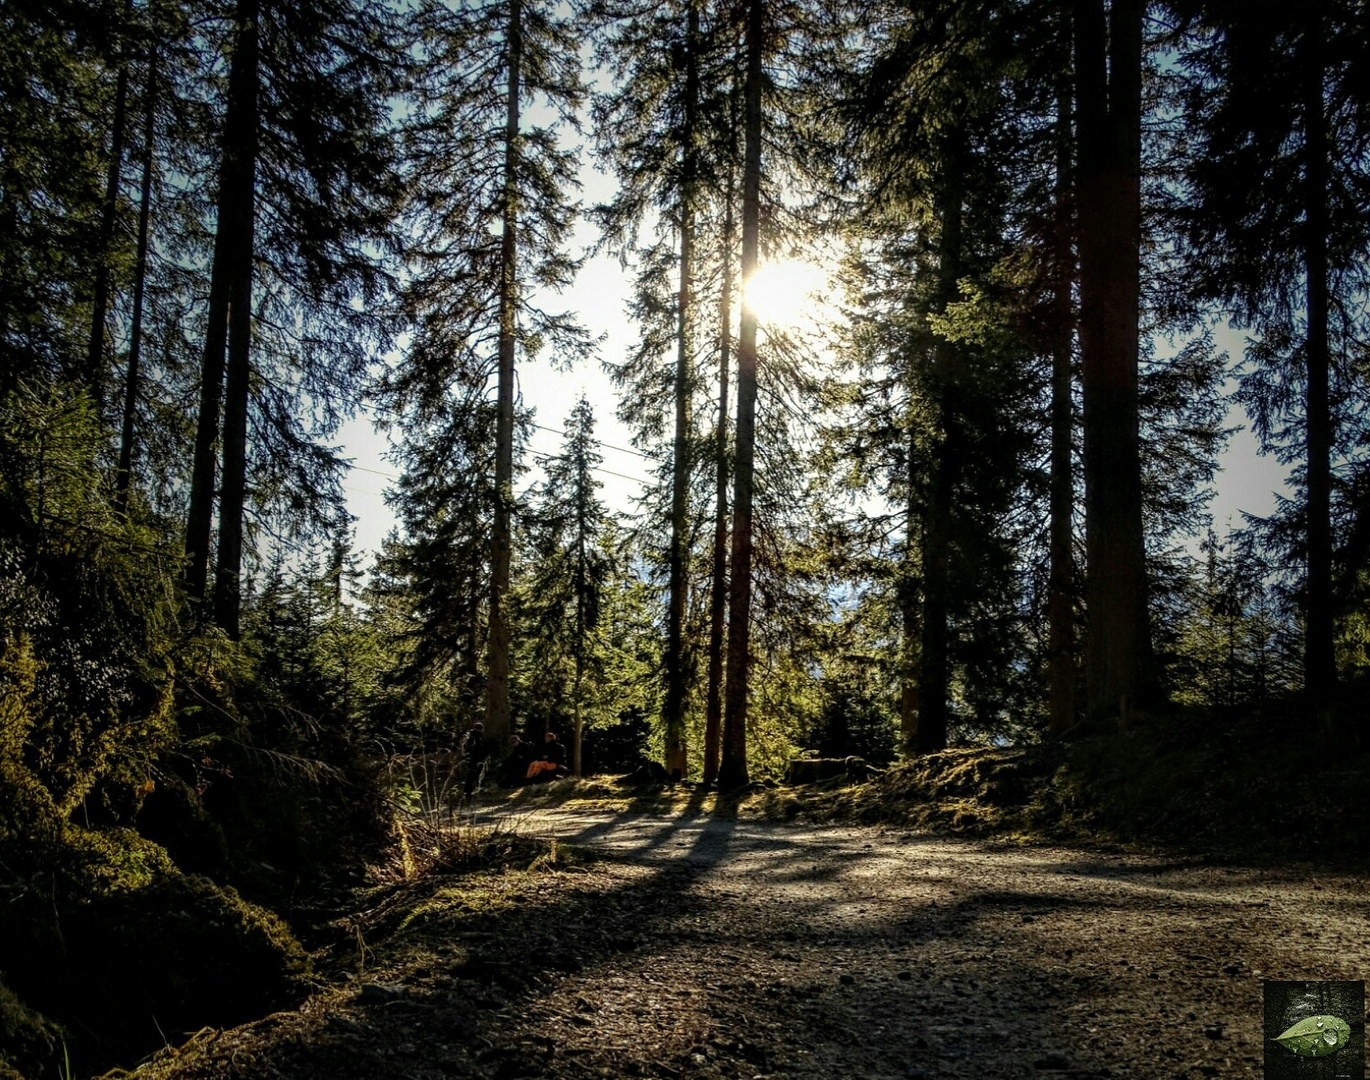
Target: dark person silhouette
(514,769)
(473,756)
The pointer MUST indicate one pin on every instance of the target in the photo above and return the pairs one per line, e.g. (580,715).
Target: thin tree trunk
(1319,660)
(237,170)
(123,476)
(934,649)
(1108,106)
(677,758)
(583,496)
(95,349)
(233,485)
(908,593)
(472,682)
(718,601)
(733,769)
(1061,579)
(497,718)
(579,724)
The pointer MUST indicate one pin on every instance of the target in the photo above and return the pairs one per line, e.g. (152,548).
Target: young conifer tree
(570,569)
(58,83)
(438,567)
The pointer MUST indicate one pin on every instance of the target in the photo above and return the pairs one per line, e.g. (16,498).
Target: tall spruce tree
(304,190)
(656,130)
(733,771)
(489,212)
(718,569)
(122,42)
(940,123)
(1108,107)
(1278,237)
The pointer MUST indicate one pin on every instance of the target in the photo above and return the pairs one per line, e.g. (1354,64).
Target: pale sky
(598,297)
(1246,484)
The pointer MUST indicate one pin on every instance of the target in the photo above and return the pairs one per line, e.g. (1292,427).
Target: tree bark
(718,601)
(677,758)
(237,178)
(733,769)
(497,717)
(1061,578)
(233,485)
(1319,660)
(1108,106)
(123,476)
(934,645)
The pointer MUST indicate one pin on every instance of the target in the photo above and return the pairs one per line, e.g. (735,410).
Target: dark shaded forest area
(965,506)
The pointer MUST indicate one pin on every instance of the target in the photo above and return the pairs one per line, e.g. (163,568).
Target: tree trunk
(237,170)
(579,725)
(718,601)
(909,591)
(1108,106)
(123,476)
(1319,660)
(677,759)
(233,485)
(1061,578)
(733,769)
(497,718)
(934,651)
(95,349)
(584,493)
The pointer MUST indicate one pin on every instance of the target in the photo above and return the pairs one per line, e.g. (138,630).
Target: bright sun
(788,293)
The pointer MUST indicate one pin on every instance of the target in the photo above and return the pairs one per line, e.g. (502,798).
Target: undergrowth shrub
(100,931)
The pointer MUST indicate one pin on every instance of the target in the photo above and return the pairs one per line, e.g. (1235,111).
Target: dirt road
(766,950)
(709,948)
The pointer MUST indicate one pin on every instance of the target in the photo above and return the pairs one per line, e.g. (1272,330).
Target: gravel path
(762,950)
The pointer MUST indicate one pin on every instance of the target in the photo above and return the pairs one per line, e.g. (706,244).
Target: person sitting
(551,763)
(514,769)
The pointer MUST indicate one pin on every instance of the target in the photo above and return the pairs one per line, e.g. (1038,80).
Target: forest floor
(686,943)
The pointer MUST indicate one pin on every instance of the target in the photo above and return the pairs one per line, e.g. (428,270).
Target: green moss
(127,951)
(1277,784)
(476,897)
(117,859)
(29,1041)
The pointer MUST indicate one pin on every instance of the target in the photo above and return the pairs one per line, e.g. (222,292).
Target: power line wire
(604,445)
